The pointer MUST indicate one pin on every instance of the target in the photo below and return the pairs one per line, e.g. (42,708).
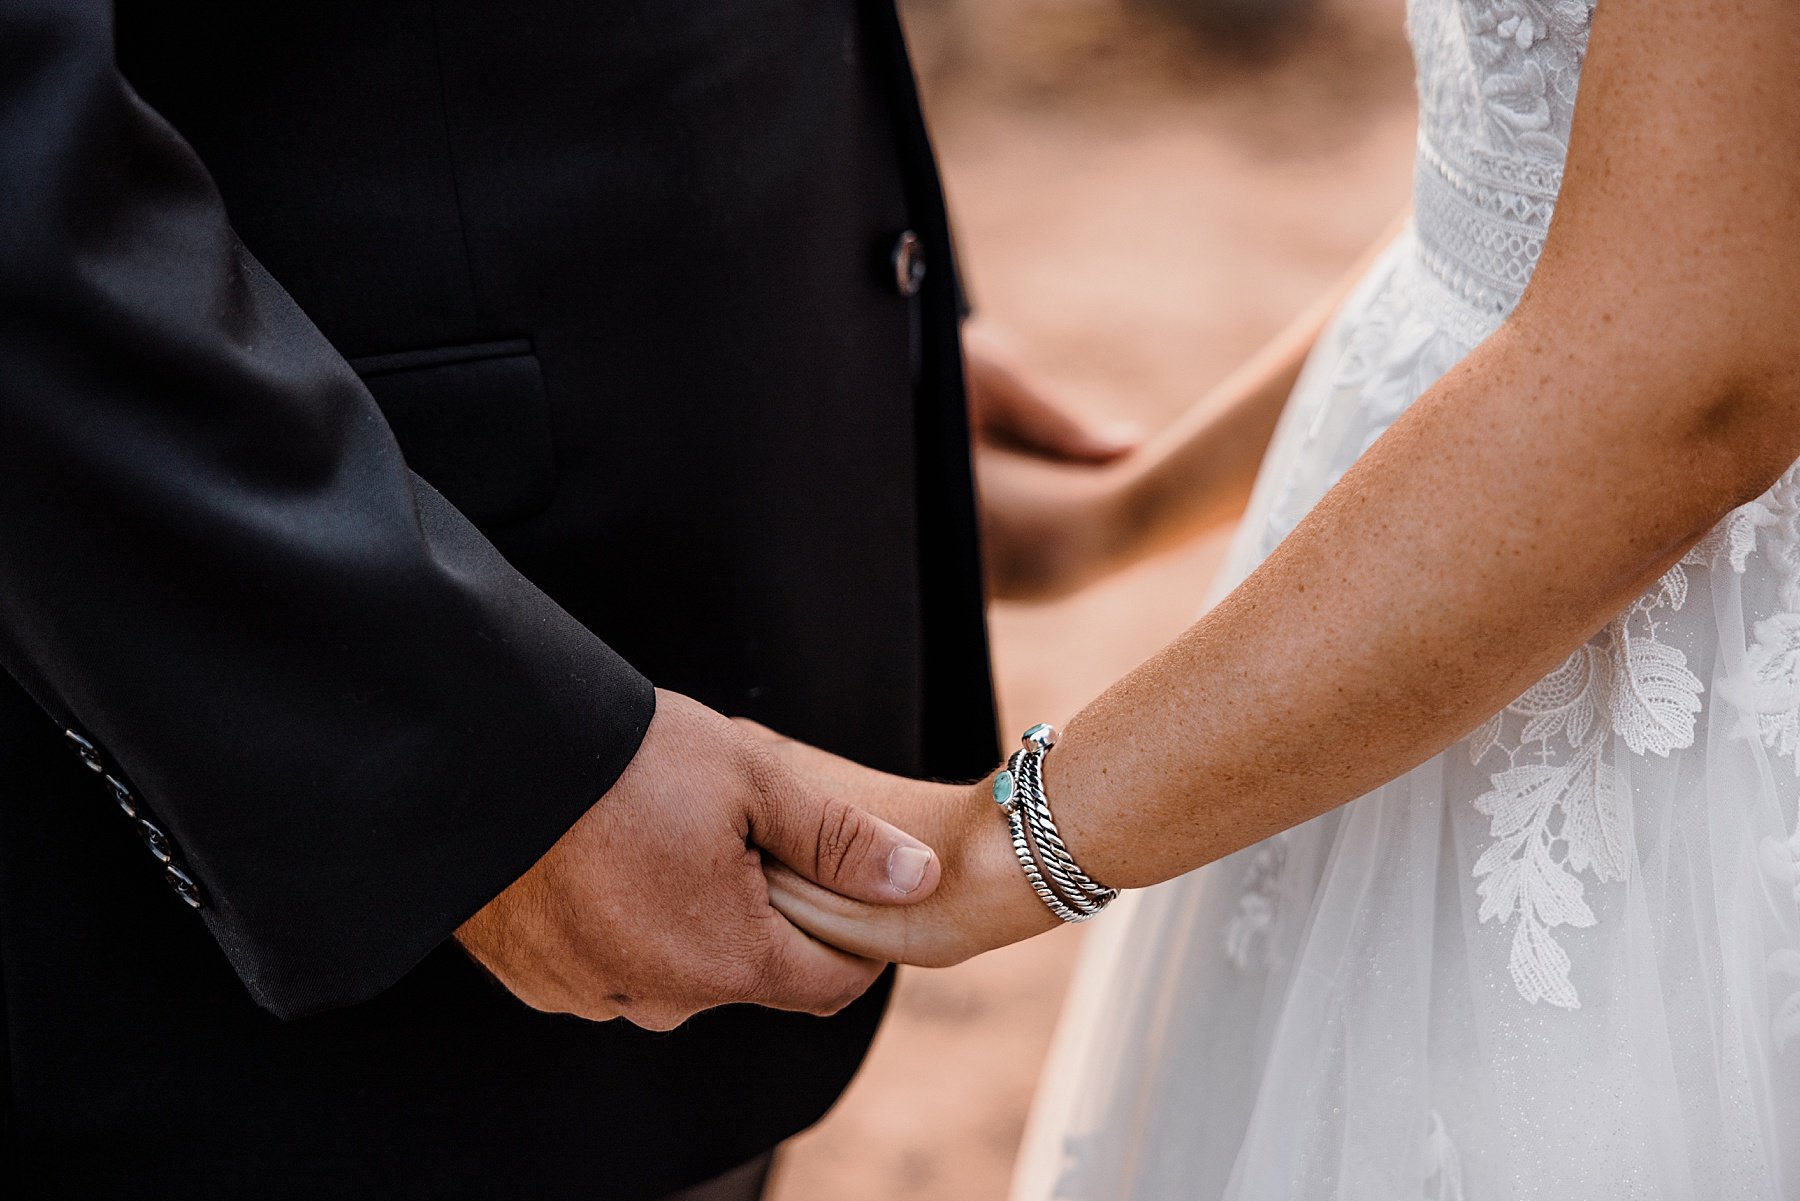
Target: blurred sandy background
(1140,202)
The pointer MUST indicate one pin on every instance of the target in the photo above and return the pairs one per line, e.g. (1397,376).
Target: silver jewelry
(1070,893)
(1022,848)
(1075,885)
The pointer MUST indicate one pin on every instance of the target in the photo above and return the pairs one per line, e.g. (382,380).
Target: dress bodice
(1497,83)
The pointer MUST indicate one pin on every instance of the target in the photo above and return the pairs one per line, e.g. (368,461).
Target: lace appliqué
(1771,697)
(1529,53)
(1443,1164)
(1247,933)
(1497,93)
(1558,808)
(1773,658)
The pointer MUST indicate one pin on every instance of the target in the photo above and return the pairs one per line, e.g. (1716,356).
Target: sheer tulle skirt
(1561,959)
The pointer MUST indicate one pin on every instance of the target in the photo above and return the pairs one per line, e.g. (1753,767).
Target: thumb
(839,846)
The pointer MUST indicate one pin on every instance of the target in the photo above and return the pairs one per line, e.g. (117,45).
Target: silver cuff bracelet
(1070,893)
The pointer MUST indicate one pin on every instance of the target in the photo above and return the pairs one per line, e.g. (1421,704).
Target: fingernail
(906,868)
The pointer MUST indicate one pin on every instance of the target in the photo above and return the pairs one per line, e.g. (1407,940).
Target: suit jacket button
(184,886)
(157,841)
(84,750)
(909,264)
(122,795)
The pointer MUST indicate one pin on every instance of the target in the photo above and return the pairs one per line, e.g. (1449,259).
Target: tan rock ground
(1140,210)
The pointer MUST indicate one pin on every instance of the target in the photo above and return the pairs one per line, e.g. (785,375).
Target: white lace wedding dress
(1560,960)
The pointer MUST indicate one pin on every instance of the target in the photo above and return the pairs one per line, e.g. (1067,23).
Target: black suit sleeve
(355,720)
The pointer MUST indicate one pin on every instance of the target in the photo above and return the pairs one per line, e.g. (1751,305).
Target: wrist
(1094,792)
(992,879)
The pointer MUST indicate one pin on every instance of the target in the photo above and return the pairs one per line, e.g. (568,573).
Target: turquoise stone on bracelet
(1004,786)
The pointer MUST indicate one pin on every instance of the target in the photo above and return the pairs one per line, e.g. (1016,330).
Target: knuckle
(655,1020)
(843,836)
(821,1000)
(786,984)
(845,995)
(545,1002)
(659,1013)
(536,992)
(828,991)
(541,1004)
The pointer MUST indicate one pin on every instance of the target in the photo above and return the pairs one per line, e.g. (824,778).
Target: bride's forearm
(1502,521)
(1646,385)
(1513,510)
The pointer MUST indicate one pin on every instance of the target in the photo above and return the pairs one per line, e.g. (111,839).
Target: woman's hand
(1059,512)
(1051,482)
(1049,529)
(1007,411)
(982,900)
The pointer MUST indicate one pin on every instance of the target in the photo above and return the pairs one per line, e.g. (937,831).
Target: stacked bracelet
(1070,893)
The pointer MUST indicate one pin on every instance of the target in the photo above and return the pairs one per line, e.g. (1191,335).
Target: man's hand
(984,901)
(654,906)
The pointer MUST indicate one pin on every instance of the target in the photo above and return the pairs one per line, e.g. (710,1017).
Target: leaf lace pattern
(1498,81)
(1772,703)
(1557,808)
(1247,933)
(1443,1163)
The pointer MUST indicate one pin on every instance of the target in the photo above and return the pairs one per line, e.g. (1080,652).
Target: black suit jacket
(565,348)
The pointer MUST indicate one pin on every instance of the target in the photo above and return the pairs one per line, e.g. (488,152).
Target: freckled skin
(1648,383)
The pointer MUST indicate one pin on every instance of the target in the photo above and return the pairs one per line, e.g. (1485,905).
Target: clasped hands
(731,865)
(981,899)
